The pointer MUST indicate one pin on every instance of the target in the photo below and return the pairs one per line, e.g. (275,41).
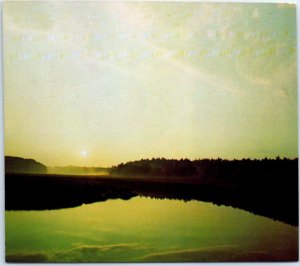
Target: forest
(14,164)
(245,171)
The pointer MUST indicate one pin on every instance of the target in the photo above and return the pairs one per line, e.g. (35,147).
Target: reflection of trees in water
(265,187)
(278,204)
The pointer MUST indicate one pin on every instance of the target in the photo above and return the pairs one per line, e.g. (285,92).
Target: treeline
(265,170)
(156,167)
(21,165)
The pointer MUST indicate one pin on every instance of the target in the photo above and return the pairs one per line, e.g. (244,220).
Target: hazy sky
(90,83)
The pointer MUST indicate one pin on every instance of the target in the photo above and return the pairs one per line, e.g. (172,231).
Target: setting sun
(150,131)
(83,153)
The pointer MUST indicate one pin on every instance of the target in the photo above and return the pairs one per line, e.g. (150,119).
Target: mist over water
(147,230)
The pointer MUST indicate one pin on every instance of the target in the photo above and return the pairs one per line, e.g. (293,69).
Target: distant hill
(21,165)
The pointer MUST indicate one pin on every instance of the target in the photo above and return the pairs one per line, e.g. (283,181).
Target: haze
(91,83)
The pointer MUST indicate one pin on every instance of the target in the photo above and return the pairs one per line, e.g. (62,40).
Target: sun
(83,153)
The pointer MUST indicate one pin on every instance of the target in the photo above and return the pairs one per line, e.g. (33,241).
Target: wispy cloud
(209,254)
(122,252)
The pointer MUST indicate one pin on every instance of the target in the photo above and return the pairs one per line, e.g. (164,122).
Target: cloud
(123,252)
(133,252)
(101,253)
(208,254)
(120,247)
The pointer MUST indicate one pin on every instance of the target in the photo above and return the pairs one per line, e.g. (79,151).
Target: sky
(100,83)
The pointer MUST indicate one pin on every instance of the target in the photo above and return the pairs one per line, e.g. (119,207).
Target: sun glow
(83,153)
(181,80)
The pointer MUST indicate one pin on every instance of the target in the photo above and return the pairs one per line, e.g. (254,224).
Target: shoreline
(50,191)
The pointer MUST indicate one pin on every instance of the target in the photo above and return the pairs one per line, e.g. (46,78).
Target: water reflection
(147,230)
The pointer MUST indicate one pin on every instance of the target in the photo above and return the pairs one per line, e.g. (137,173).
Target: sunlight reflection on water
(148,230)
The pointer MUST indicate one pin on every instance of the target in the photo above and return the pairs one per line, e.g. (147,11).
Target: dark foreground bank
(44,191)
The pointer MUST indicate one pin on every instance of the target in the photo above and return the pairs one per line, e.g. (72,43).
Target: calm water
(147,230)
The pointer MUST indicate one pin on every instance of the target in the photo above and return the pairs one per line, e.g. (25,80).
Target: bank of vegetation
(14,164)
(268,172)
(267,187)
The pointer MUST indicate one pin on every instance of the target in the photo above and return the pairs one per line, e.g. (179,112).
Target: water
(147,230)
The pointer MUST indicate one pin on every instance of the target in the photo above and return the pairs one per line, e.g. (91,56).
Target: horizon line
(159,158)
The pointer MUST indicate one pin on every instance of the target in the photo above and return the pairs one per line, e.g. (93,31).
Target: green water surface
(147,230)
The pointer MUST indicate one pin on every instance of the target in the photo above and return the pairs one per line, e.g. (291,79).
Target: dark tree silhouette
(264,172)
(21,165)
